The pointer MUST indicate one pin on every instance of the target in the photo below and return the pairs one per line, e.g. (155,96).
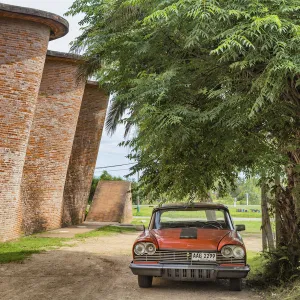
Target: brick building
(42,161)
(112,202)
(24,38)
(84,153)
(50,143)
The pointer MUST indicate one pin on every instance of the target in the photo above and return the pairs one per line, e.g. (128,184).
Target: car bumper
(190,272)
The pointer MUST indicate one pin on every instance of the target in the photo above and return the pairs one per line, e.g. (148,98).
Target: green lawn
(146,211)
(251,226)
(256,262)
(24,247)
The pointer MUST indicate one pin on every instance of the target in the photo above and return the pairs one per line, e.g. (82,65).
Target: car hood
(189,238)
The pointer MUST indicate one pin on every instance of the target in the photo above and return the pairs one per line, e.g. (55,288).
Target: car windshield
(195,217)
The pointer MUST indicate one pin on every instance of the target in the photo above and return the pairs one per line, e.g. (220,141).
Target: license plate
(201,256)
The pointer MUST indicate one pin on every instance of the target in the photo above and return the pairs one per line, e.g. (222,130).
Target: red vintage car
(195,242)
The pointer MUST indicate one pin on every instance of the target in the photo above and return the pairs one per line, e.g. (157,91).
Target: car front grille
(189,274)
(184,257)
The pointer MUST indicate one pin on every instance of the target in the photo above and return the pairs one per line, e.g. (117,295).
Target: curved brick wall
(111,203)
(23,44)
(50,143)
(84,153)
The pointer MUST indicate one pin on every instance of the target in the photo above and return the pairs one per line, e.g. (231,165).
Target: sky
(109,154)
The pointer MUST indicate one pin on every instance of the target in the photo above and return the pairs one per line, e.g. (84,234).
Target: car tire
(145,281)
(235,284)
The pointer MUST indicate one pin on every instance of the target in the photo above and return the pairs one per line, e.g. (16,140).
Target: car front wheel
(235,284)
(145,281)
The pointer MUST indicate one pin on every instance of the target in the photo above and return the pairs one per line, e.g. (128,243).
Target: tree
(248,186)
(213,87)
(106,176)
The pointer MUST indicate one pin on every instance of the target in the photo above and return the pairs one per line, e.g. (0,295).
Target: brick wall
(84,154)
(50,144)
(23,45)
(111,202)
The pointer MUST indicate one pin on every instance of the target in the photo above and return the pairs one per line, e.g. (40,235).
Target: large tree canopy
(211,86)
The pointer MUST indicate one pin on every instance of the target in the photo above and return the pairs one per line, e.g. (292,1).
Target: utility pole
(247,197)
(138,193)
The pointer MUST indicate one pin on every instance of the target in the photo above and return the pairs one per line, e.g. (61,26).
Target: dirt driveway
(97,269)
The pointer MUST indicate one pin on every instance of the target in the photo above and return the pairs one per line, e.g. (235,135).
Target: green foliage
(204,82)
(285,292)
(24,247)
(280,266)
(106,176)
(211,86)
(250,186)
(257,263)
(276,273)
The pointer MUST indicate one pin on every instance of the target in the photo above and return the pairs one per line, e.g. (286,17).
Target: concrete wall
(50,144)
(111,202)
(23,44)
(84,153)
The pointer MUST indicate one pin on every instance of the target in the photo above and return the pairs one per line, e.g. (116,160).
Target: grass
(105,231)
(251,226)
(285,292)
(22,248)
(256,262)
(146,211)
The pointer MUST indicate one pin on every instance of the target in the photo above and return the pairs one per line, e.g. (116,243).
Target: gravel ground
(97,268)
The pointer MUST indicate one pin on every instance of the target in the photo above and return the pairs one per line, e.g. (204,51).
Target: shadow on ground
(70,274)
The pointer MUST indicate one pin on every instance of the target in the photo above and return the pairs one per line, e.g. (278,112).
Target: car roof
(191,205)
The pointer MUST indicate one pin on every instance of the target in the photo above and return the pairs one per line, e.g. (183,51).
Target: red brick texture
(23,46)
(84,154)
(57,25)
(111,203)
(50,145)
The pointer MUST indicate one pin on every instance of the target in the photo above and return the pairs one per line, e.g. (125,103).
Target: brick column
(50,143)
(84,153)
(112,202)
(24,37)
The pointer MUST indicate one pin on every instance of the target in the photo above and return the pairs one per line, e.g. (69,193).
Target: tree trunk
(266,224)
(288,209)
(264,239)
(277,212)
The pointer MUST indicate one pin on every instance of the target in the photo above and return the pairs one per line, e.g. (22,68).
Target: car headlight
(226,251)
(139,249)
(233,251)
(144,248)
(150,248)
(238,252)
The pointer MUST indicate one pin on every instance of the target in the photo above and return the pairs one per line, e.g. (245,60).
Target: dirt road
(97,269)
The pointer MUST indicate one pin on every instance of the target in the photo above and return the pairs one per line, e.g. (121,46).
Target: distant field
(145,211)
(251,226)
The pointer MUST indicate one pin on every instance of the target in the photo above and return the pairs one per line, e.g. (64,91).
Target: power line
(115,166)
(119,170)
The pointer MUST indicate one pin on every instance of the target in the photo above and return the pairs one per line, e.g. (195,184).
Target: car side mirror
(143,225)
(240,227)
